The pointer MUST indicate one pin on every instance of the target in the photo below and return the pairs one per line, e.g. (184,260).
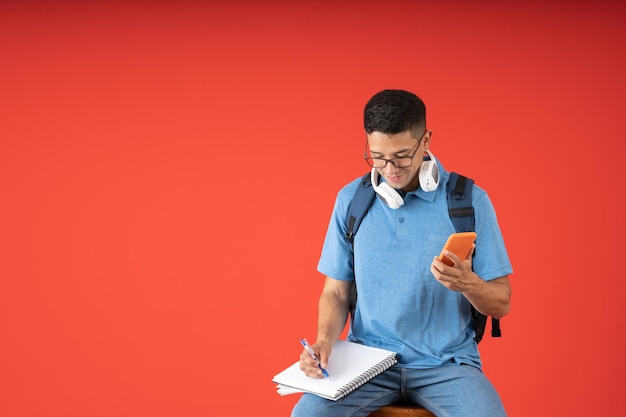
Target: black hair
(395,111)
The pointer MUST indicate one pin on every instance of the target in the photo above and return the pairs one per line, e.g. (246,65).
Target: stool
(402,410)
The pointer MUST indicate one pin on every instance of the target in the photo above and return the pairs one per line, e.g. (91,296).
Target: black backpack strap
(363,197)
(495,328)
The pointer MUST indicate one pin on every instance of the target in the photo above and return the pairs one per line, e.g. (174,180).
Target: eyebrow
(396,154)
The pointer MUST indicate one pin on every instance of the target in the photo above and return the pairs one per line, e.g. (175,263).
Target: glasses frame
(369,159)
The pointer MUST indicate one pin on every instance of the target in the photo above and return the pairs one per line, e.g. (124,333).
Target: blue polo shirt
(401,306)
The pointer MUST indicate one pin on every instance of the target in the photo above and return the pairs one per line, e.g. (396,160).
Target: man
(409,301)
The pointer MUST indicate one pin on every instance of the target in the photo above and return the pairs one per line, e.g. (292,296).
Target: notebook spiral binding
(367,375)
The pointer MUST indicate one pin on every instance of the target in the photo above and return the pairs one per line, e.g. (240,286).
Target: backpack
(459,192)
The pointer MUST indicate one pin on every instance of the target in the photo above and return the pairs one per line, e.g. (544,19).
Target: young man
(409,301)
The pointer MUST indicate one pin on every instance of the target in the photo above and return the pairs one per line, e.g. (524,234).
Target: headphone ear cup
(386,192)
(429,174)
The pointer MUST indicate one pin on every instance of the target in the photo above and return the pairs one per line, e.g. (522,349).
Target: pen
(305,343)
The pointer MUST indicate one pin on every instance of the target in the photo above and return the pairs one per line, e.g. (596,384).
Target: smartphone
(458,243)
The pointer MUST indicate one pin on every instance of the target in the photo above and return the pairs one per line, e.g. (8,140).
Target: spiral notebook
(350,366)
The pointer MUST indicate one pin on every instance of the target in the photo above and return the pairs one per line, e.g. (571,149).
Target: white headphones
(428,176)
(386,192)
(429,173)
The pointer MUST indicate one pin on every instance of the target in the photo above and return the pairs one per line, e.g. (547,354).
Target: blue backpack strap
(462,215)
(460,202)
(361,202)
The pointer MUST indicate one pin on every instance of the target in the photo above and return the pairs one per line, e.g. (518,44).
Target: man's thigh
(453,391)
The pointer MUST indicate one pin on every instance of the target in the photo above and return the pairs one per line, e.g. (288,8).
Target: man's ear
(426,138)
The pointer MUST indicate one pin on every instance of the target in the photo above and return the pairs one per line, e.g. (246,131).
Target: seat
(402,410)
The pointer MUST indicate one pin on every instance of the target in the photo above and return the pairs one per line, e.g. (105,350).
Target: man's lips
(394,178)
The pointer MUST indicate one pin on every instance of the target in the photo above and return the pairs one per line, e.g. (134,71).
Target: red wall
(167,170)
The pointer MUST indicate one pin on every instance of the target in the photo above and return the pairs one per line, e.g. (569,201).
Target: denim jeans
(447,391)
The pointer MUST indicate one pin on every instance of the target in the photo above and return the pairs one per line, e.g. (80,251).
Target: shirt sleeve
(491,259)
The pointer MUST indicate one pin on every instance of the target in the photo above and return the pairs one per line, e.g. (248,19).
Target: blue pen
(308,348)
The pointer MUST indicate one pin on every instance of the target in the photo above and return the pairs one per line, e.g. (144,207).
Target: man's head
(395,111)
(395,125)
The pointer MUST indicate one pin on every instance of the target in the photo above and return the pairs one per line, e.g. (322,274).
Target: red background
(167,170)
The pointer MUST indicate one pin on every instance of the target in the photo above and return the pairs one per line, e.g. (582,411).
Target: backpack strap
(361,202)
(460,202)
(462,215)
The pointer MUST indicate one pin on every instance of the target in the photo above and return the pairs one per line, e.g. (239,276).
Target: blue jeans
(447,391)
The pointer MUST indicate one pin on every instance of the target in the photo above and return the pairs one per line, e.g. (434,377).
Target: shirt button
(401,220)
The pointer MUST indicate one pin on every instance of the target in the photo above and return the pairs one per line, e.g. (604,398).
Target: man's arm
(333,310)
(491,298)
(333,314)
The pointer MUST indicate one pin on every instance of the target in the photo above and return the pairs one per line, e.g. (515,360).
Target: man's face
(382,145)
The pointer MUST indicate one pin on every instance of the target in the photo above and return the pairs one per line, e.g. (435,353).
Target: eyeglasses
(398,162)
